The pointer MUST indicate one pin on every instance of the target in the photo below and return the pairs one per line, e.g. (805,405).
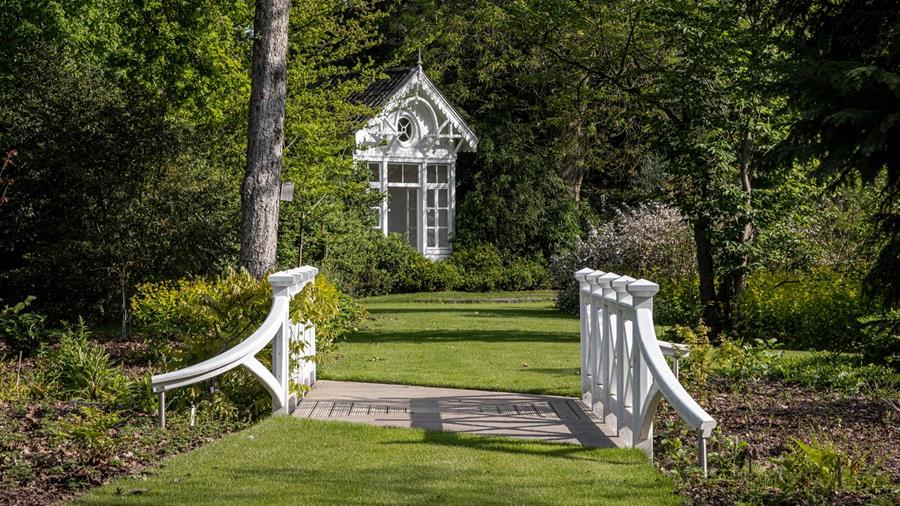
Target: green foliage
(678,302)
(882,339)
(650,241)
(333,313)
(818,310)
(696,367)
(811,472)
(522,273)
(329,42)
(531,212)
(89,429)
(481,267)
(744,363)
(84,370)
(842,81)
(835,371)
(375,265)
(22,330)
(194,320)
(368,263)
(107,193)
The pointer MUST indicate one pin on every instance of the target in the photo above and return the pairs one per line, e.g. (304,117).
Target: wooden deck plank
(548,418)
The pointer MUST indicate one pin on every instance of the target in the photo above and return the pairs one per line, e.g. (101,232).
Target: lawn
(284,460)
(517,347)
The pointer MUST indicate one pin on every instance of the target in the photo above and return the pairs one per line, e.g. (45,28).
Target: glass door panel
(403,206)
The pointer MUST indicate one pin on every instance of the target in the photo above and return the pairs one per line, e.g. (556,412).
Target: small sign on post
(287,191)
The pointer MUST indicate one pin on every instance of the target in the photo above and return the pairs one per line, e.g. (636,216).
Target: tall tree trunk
(707,271)
(735,281)
(574,166)
(265,142)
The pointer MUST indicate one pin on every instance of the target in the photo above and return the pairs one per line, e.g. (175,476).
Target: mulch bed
(42,463)
(769,414)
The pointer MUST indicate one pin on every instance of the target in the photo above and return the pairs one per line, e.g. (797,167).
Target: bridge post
(584,304)
(642,292)
(281,287)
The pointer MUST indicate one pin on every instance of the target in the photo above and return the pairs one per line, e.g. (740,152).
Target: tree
(844,84)
(697,77)
(329,63)
(265,138)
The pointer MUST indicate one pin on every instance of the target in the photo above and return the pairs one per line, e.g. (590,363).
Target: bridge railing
(277,329)
(624,372)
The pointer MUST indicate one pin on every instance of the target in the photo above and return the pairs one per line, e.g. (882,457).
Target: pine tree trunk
(265,143)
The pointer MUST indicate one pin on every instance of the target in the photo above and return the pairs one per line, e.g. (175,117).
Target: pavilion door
(403,213)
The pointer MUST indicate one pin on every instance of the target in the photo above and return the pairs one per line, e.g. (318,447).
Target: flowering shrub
(651,241)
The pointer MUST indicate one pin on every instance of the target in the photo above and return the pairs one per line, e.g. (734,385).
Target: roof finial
(419,63)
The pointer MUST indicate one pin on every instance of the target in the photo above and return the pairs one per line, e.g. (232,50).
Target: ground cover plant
(81,410)
(67,422)
(284,460)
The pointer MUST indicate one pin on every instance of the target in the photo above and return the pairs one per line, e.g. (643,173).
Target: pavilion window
(375,186)
(437,207)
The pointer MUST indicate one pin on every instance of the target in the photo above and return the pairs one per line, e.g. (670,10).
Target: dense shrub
(525,274)
(22,330)
(367,263)
(818,310)
(481,267)
(389,265)
(333,313)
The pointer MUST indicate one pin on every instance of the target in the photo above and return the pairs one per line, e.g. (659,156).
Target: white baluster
(624,370)
(608,361)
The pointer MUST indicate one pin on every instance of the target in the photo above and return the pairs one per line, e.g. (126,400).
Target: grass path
(284,460)
(522,347)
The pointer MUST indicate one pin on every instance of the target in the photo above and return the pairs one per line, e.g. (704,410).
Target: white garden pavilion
(410,146)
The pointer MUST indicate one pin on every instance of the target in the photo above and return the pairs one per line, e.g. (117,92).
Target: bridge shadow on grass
(481,335)
(470,312)
(527,447)
(562,372)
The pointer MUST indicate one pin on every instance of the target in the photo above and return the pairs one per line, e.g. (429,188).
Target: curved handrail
(229,358)
(680,400)
(276,328)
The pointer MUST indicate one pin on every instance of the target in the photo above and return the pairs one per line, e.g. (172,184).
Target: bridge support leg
(162,409)
(703,459)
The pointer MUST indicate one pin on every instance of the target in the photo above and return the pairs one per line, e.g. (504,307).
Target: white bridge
(624,376)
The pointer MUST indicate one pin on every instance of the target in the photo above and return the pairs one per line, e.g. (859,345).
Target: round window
(404,129)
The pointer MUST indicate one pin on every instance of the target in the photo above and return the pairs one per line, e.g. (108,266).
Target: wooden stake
(18,371)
